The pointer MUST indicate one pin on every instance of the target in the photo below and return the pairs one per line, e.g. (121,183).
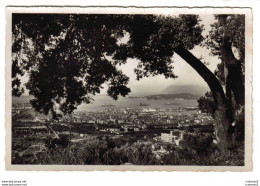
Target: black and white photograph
(137,89)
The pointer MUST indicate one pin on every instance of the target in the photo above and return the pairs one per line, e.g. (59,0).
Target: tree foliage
(206,104)
(231,25)
(231,28)
(69,57)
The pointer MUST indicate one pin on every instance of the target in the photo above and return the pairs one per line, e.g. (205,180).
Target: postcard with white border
(128,89)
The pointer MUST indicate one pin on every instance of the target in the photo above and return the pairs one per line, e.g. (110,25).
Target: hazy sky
(186,74)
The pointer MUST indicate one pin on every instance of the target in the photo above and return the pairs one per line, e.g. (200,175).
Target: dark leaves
(232,26)
(68,57)
(117,85)
(207,104)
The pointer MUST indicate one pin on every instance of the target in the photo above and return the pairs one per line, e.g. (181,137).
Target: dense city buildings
(154,127)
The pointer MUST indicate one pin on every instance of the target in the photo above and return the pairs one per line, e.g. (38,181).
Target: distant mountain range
(171,92)
(173,96)
(190,89)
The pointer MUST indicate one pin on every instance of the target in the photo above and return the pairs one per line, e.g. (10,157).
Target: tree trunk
(222,116)
(234,78)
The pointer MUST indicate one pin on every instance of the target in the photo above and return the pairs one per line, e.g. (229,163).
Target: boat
(192,108)
(108,105)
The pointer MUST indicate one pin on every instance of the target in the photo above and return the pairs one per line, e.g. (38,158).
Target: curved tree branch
(205,73)
(223,115)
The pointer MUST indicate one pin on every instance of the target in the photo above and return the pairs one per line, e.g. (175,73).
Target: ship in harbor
(192,108)
(108,105)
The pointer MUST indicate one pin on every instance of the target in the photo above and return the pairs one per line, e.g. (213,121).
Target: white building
(167,137)
(173,137)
